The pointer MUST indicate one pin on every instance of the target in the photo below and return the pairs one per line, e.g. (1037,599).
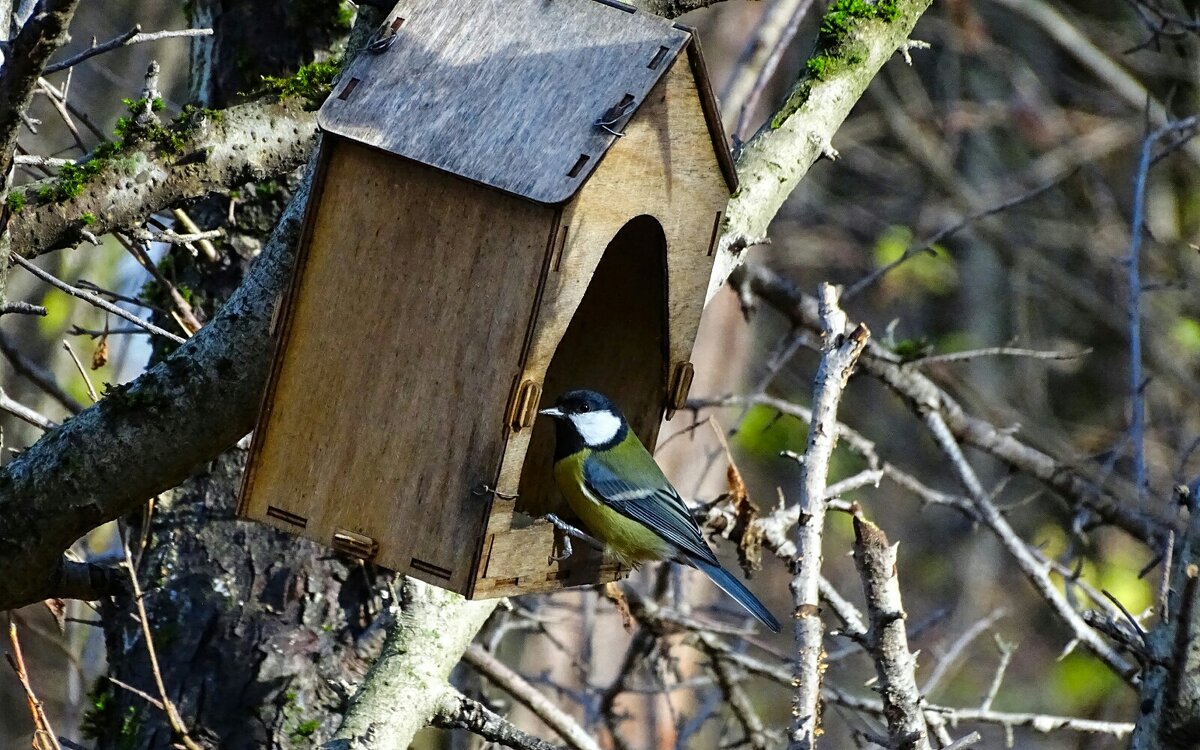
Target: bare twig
(1035,571)
(530,697)
(44,737)
(186,316)
(840,352)
(173,717)
(1006,653)
(729,679)
(1041,723)
(942,669)
(927,245)
(887,640)
(22,308)
(924,395)
(1187,127)
(24,413)
(997,351)
(128,39)
(205,243)
(760,59)
(87,380)
(456,711)
(93,299)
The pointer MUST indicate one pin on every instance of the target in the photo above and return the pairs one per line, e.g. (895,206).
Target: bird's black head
(585,419)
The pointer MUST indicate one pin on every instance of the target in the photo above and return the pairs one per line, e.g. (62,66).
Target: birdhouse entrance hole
(616,343)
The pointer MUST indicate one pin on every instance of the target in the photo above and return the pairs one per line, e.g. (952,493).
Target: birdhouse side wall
(664,167)
(383,425)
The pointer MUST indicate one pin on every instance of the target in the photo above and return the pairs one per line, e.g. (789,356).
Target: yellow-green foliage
(1186,333)
(764,433)
(922,273)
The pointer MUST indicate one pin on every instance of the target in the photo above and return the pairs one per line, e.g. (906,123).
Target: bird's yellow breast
(625,539)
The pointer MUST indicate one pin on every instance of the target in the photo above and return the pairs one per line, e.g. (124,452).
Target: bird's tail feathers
(739,592)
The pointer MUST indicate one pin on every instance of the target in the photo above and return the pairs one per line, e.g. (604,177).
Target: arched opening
(616,344)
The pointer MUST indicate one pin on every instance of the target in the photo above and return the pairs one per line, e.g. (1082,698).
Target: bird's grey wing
(658,507)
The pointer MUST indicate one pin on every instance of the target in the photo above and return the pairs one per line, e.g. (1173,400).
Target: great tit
(615,487)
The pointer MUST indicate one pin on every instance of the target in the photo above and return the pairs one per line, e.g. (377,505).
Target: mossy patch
(131,131)
(311,82)
(306,729)
(15,201)
(835,48)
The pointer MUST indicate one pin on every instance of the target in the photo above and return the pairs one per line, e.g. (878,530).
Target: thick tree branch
(248,142)
(404,690)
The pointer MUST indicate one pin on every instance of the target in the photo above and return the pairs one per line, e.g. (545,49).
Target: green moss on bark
(837,47)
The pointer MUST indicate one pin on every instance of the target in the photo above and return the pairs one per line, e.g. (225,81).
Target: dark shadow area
(616,344)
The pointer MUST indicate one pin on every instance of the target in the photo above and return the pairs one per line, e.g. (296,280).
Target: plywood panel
(664,167)
(403,339)
(505,92)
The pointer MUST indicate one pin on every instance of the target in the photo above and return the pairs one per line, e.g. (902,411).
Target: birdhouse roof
(521,95)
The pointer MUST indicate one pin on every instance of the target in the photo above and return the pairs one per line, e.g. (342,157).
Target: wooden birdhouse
(514,198)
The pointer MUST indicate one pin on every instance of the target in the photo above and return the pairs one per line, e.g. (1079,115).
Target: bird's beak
(552,412)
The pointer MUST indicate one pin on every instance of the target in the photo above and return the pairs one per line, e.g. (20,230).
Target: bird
(615,487)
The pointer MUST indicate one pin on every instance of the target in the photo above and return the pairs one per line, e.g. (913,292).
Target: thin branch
(951,657)
(729,680)
(22,308)
(1059,28)
(128,39)
(24,413)
(887,640)
(456,711)
(927,245)
(173,718)
(1035,571)
(840,352)
(772,163)
(42,34)
(93,299)
(44,737)
(87,380)
(527,695)
(924,395)
(1041,723)
(1006,650)
(760,59)
(1137,418)
(997,351)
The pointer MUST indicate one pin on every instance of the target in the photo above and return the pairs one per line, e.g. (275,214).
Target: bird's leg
(570,531)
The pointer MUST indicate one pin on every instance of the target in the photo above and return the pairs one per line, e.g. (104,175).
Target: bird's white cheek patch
(597,427)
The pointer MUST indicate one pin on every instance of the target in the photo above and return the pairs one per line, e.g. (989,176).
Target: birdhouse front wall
(403,332)
(663,180)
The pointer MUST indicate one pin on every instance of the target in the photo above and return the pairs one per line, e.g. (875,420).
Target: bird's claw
(569,532)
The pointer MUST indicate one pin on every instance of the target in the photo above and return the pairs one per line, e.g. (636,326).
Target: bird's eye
(584,408)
